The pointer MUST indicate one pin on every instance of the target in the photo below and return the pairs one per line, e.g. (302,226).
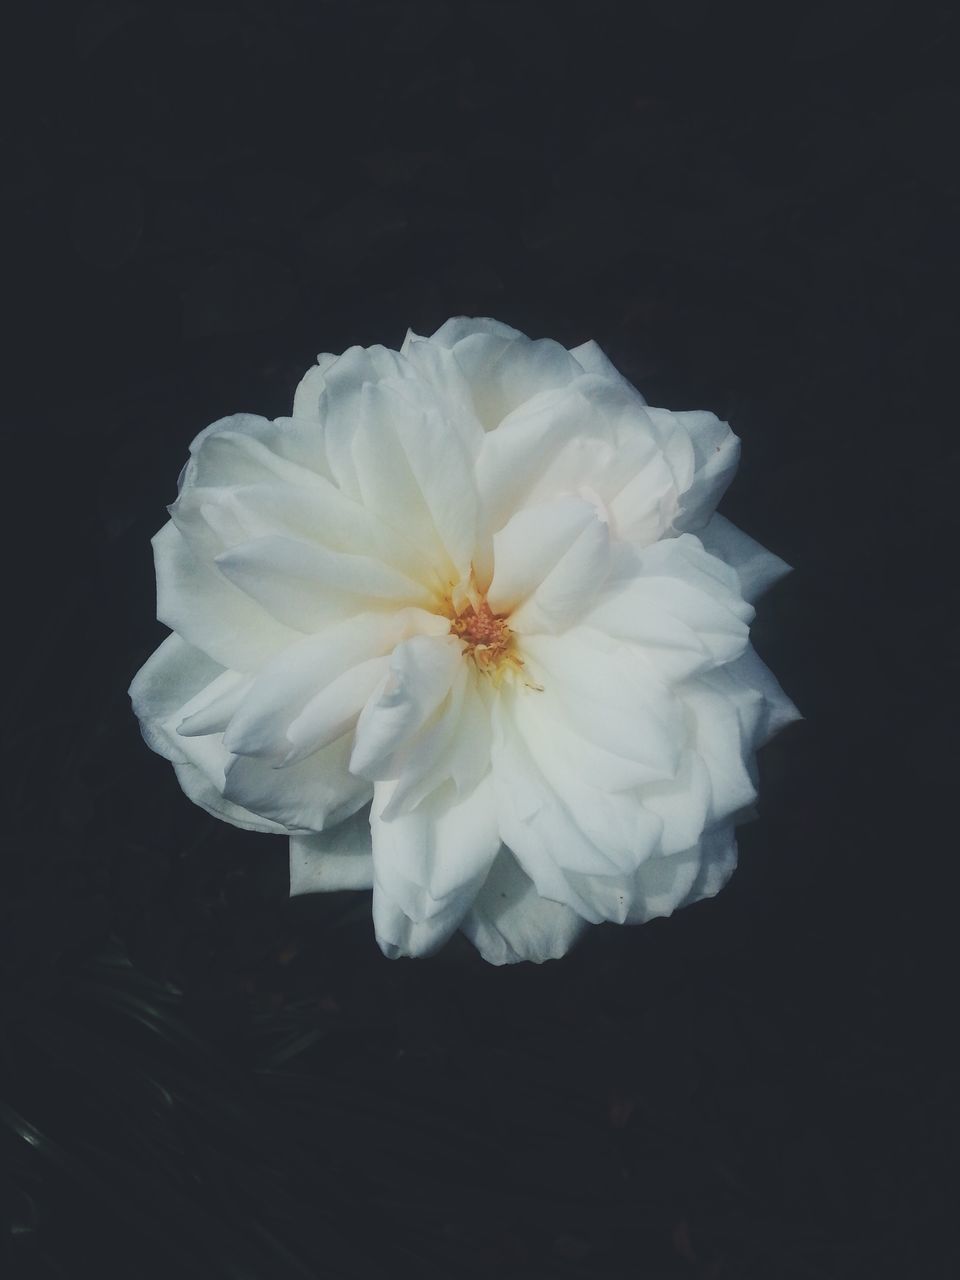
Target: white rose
(467,630)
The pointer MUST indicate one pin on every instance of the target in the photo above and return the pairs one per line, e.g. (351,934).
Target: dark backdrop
(753,209)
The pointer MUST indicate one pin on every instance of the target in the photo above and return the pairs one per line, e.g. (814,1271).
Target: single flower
(467,629)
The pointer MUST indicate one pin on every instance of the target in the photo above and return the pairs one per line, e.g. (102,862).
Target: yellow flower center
(488,641)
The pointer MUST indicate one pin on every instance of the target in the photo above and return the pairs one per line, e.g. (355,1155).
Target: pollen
(488,639)
(489,642)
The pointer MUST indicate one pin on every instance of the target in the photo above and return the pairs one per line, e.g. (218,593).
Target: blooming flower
(467,629)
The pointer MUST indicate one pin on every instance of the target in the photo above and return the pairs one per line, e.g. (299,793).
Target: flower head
(467,629)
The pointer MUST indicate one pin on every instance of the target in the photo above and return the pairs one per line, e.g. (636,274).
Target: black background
(753,209)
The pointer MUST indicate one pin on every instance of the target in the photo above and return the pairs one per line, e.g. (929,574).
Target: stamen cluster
(489,640)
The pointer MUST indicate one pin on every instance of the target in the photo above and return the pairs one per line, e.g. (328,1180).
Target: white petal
(664,884)
(306,398)
(683,803)
(566,592)
(202,783)
(533,820)
(429,865)
(215,519)
(676,446)
(510,922)
(645,505)
(453,744)
(453,331)
(679,604)
(445,846)
(578,848)
(756,567)
(210,711)
(211,614)
(717,452)
(438,367)
(398,935)
(592,359)
(339,404)
(285,687)
(175,676)
(438,461)
(620,831)
(501,367)
(503,376)
(591,435)
(397,427)
(308,796)
(610,696)
(533,544)
(334,710)
(515,457)
(718,861)
(747,675)
(340,858)
(597,765)
(469,757)
(305,586)
(246,449)
(421,672)
(718,740)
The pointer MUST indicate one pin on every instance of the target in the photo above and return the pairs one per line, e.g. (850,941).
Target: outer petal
(437,366)
(307,796)
(340,858)
(718,861)
(307,397)
(333,398)
(664,884)
(504,376)
(173,680)
(756,567)
(398,935)
(724,742)
(247,449)
(428,866)
(717,452)
(210,613)
(509,921)
(201,783)
(459,327)
(679,605)
(172,676)
(683,803)
(749,678)
(592,359)
(500,367)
